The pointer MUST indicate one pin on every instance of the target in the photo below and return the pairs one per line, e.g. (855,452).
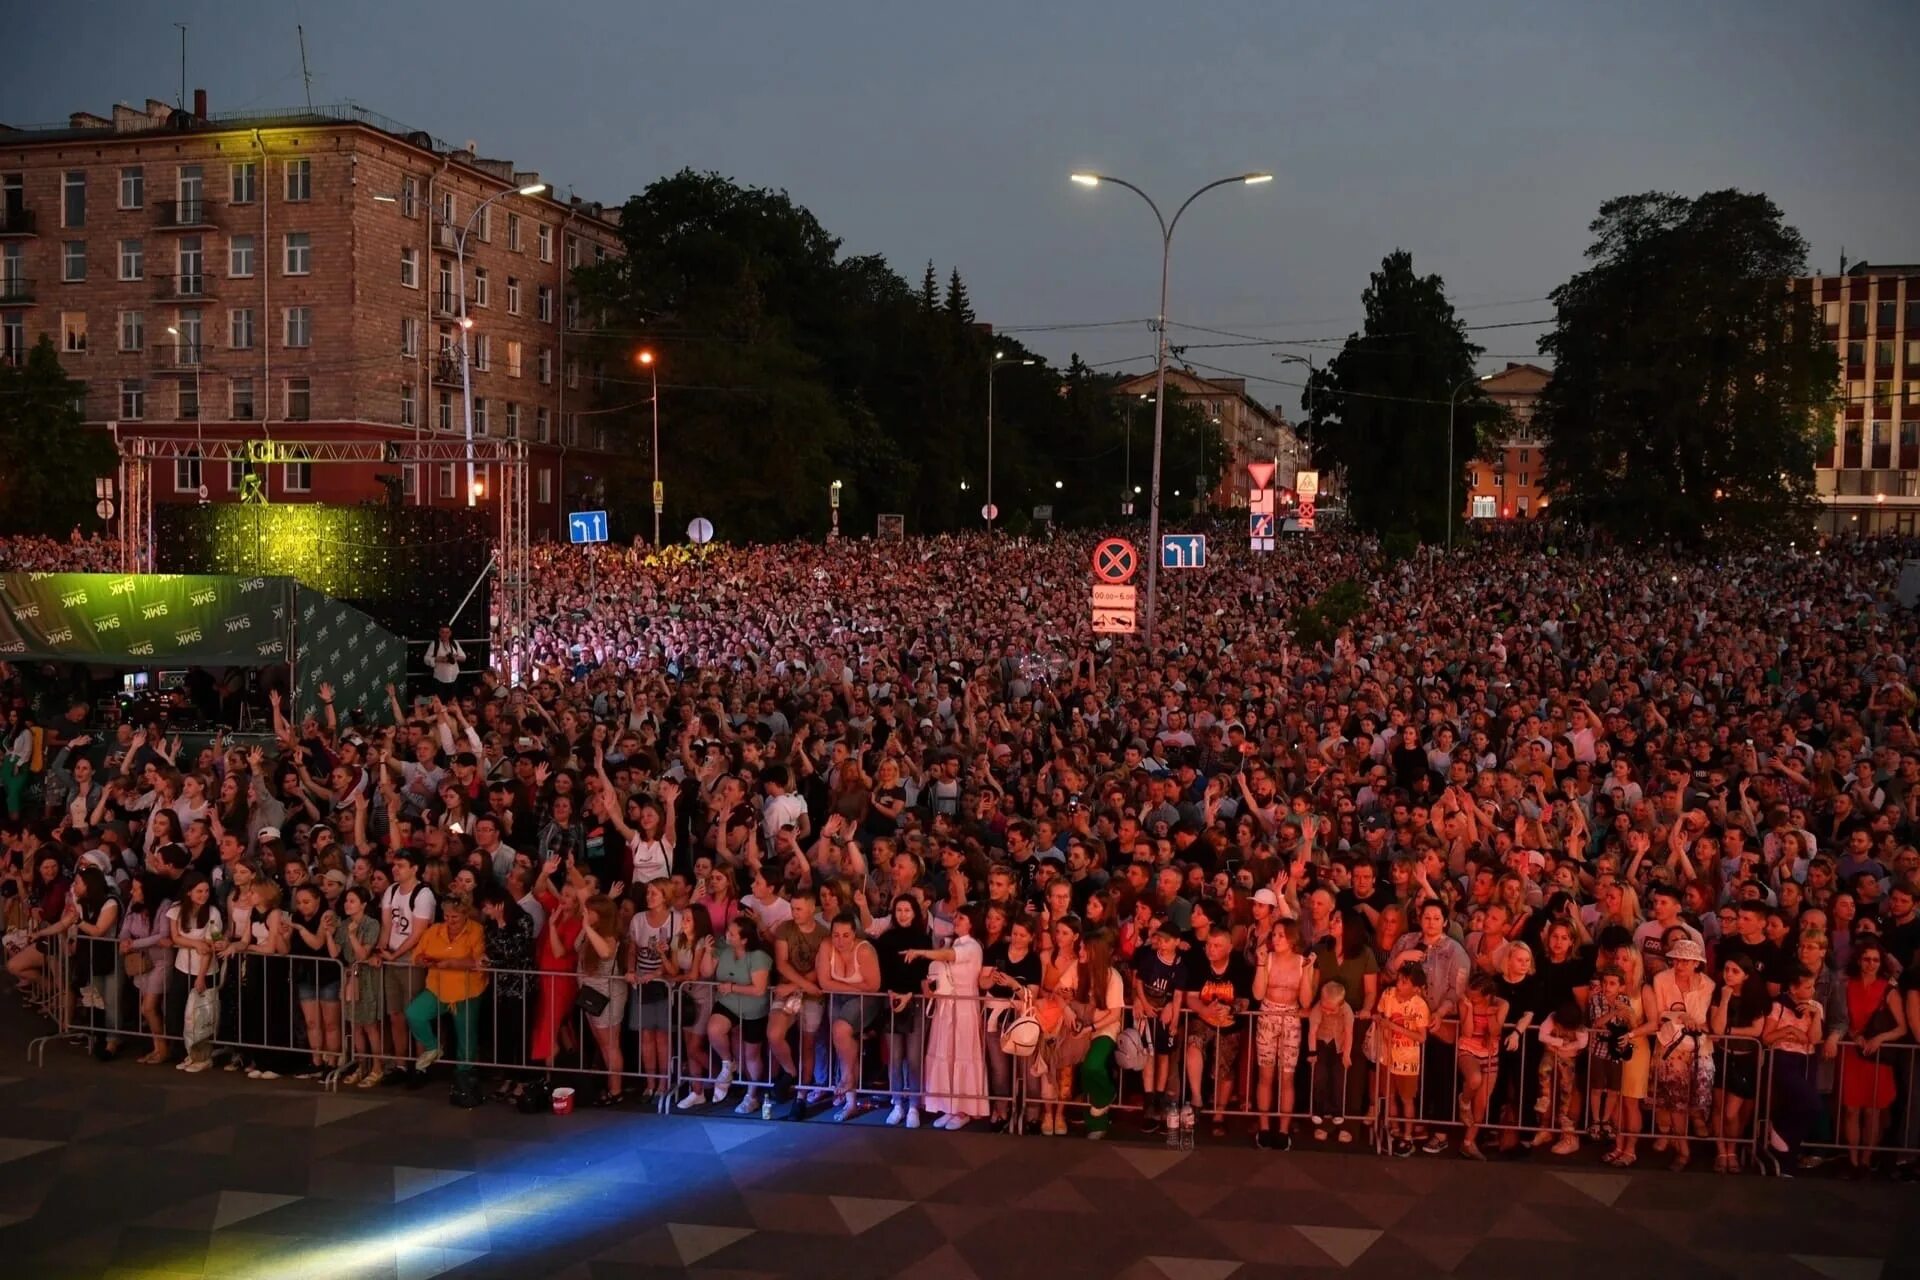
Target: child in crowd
(1403,1019)
(1563,1037)
(1330,1050)
(1609,1014)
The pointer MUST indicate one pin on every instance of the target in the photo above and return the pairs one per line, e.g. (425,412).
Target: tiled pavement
(128,1171)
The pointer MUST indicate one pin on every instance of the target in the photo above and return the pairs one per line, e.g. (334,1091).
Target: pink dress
(955,1069)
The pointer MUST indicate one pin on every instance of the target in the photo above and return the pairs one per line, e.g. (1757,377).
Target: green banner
(146,619)
(343,647)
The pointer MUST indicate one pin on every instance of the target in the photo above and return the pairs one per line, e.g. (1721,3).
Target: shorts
(1489,1063)
(1605,1074)
(752,1030)
(1157,1034)
(1740,1075)
(808,1011)
(652,1010)
(401,983)
(1276,1036)
(858,1012)
(318,984)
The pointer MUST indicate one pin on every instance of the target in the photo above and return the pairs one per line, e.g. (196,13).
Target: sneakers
(1568,1144)
(748,1105)
(694,1098)
(723,1083)
(913,1117)
(952,1120)
(263,1075)
(1401,1149)
(898,1114)
(426,1059)
(1434,1145)
(844,1112)
(193,1068)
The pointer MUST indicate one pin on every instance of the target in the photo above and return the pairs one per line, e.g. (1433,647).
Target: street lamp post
(999,358)
(653,375)
(1294,448)
(466,325)
(1160,358)
(1453,402)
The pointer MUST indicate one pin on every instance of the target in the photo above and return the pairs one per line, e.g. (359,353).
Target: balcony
(446,370)
(446,237)
(186,356)
(17,222)
(15,290)
(184,288)
(183,215)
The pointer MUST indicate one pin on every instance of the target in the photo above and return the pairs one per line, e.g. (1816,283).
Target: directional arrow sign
(1183,551)
(587,526)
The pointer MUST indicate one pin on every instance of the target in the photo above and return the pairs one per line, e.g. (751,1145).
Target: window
(1856,353)
(446,207)
(1473,478)
(299,327)
(573,252)
(542,425)
(191,260)
(73,332)
(479,415)
(73,261)
(1913,354)
(133,407)
(410,268)
(546,484)
(240,257)
(1886,315)
(482,353)
(1856,317)
(191,189)
(573,375)
(240,400)
(543,303)
(240,329)
(73,198)
(236,475)
(186,336)
(513,296)
(133,260)
(189,400)
(1883,355)
(13,338)
(410,335)
(1913,314)
(186,473)
(544,237)
(242,181)
(298,477)
(299,399)
(445,479)
(443,290)
(299,253)
(573,311)
(1523,455)
(410,480)
(1882,394)
(1523,479)
(133,330)
(409,409)
(483,224)
(545,365)
(513,359)
(1520,504)
(570,429)
(513,420)
(513,232)
(482,296)
(443,411)
(409,196)
(133,187)
(299,179)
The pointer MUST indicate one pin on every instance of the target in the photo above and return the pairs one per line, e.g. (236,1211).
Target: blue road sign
(586,526)
(1183,551)
(1260,524)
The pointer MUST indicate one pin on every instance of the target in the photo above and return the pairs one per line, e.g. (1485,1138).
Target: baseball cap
(335,877)
(1267,896)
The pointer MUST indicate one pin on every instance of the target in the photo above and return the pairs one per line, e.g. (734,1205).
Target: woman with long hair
(355,943)
(956,1063)
(195,930)
(1739,1011)
(1059,983)
(903,980)
(1283,986)
(509,960)
(689,958)
(649,934)
(146,943)
(1876,1016)
(1346,956)
(316,977)
(1011,965)
(599,950)
(1099,1003)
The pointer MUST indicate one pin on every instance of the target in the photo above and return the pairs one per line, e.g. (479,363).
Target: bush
(1318,622)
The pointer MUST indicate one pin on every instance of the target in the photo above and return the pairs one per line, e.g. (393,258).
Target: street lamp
(1293,447)
(653,375)
(1453,402)
(999,358)
(199,409)
(833,501)
(1160,355)
(466,325)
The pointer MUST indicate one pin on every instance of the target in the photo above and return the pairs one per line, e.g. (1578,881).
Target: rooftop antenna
(305,75)
(183,64)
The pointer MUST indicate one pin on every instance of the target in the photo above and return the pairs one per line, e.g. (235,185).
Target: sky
(1482,136)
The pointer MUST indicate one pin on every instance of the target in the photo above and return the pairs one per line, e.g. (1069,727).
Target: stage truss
(505,459)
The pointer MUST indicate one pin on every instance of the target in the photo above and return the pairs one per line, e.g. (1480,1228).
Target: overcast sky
(1480,135)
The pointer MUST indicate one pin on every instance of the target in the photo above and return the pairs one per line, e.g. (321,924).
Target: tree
(958,306)
(929,290)
(1692,387)
(1379,410)
(48,459)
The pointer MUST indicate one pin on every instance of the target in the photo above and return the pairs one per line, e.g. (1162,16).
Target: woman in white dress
(955,1068)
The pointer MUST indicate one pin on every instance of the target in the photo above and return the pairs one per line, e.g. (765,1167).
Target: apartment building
(1870,481)
(1249,430)
(293,275)
(1509,483)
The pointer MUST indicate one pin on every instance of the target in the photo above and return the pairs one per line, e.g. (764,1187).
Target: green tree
(1379,409)
(1692,388)
(959,307)
(48,459)
(929,290)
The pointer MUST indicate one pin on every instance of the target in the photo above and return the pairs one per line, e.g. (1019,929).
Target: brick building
(290,275)
(1870,481)
(1507,483)
(1249,430)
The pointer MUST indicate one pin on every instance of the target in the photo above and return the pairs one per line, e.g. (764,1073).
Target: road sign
(1260,529)
(1114,609)
(700,531)
(990,513)
(1262,474)
(104,508)
(1115,560)
(1307,484)
(1306,515)
(1043,512)
(1183,551)
(587,526)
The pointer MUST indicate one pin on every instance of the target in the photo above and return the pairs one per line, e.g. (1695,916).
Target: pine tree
(929,290)
(958,307)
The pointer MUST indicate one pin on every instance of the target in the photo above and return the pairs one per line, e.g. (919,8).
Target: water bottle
(766,1106)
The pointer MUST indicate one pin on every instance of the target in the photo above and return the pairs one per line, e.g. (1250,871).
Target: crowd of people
(1611,851)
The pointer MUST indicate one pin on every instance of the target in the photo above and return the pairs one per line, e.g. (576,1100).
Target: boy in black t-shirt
(1159,974)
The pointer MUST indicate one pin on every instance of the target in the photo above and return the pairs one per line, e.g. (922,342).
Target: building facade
(1869,481)
(1248,430)
(1508,481)
(292,276)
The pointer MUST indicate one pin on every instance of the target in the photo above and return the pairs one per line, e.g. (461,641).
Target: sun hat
(1686,949)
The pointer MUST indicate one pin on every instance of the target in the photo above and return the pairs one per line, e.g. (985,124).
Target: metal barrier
(1828,1126)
